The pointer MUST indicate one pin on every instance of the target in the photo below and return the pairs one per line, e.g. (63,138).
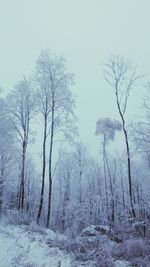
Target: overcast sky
(85,32)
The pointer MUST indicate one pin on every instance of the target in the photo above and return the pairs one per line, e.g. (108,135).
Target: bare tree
(107,128)
(56,81)
(141,127)
(21,110)
(6,147)
(121,75)
(43,99)
(67,167)
(80,160)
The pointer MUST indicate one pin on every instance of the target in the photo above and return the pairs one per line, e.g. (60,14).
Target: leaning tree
(121,75)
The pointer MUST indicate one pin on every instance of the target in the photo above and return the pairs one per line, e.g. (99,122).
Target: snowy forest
(72,192)
(61,205)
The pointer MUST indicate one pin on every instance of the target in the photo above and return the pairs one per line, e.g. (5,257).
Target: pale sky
(85,32)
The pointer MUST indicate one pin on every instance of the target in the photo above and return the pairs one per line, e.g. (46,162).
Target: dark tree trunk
(22,182)
(105,177)
(128,156)
(28,194)
(1,194)
(129,172)
(43,170)
(112,204)
(1,189)
(50,162)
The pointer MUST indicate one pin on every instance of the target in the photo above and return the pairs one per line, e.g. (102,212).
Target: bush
(34,227)
(144,262)
(18,217)
(131,249)
(104,258)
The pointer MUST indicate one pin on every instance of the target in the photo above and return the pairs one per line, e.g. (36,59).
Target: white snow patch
(19,247)
(95,229)
(122,264)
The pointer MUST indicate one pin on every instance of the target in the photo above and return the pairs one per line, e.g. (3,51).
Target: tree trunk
(123,196)
(43,170)
(1,183)
(80,179)
(21,191)
(1,189)
(128,155)
(1,194)
(129,172)
(66,200)
(105,178)
(50,162)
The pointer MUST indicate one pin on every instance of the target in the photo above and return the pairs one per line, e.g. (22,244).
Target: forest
(100,203)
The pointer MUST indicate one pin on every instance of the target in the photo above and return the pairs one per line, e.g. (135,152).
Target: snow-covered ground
(122,264)
(22,246)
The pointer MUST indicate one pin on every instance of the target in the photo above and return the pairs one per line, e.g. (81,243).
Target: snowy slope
(19,247)
(34,246)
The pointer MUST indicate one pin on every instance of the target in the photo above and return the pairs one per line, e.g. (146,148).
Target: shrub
(131,249)
(18,217)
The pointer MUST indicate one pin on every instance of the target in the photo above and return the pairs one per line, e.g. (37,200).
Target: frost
(20,247)
(93,230)
(122,264)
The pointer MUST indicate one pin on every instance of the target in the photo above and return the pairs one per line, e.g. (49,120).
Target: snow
(20,247)
(90,229)
(94,230)
(30,246)
(122,264)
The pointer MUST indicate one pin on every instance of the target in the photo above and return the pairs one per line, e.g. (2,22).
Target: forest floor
(34,246)
(22,247)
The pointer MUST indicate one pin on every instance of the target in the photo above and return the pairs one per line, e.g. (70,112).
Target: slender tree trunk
(80,179)
(99,186)
(21,191)
(112,205)
(50,162)
(43,170)
(66,200)
(1,194)
(105,178)
(128,155)
(28,198)
(59,211)
(109,173)
(1,189)
(122,189)
(129,172)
